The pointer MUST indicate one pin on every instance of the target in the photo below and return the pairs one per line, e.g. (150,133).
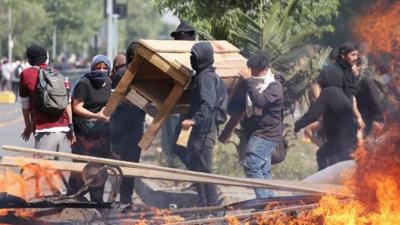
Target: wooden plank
(228,60)
(162,115)
(122,88)
(271,213)
(185,46)
(272,184)
(239,88)
(137,99)
(148,173)
(232,123)
(164,66)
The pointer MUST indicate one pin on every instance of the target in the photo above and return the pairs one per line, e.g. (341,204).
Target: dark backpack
(221,105)
(51,95)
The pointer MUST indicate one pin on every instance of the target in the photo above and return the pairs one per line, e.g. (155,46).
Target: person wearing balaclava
(171,128)
(91,127)
(127,126)
(202,120)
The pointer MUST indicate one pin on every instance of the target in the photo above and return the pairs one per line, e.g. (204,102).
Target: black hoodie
(204,89)
(338,75)
(338,115)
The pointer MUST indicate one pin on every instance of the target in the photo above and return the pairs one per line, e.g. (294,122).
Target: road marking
(11,122)
(10,112)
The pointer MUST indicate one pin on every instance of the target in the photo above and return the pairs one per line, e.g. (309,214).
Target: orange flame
(34,181)
(375,184)
(380,27)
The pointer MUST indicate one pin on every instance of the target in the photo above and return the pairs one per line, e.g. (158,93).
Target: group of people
(345,108)
(83,122)
(335,111)
(9,74)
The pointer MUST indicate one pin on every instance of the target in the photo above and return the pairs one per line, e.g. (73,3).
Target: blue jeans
(257,163)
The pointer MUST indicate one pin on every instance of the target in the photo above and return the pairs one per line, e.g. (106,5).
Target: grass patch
(299,163)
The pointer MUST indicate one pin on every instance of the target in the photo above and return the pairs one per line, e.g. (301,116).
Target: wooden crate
(160,74)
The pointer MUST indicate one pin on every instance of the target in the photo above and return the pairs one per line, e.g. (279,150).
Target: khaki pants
(49,141)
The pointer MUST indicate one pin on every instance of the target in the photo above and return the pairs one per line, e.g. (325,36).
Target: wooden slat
(123,86)
(235,60)
(227,73)
(136,99)
(164,66)
(148,173)
(273,184)
(162,115)
(185,46)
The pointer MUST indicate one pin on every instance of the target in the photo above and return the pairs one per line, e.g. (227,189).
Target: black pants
(127,125)
(75,182)
(334,151)
(199,158)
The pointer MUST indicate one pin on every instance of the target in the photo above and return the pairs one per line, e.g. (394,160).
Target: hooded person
(91,127)
(171,128)
(127,126)
(202,120)
(118,63)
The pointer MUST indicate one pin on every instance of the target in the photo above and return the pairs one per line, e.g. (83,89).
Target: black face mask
(193,62)
(98,78)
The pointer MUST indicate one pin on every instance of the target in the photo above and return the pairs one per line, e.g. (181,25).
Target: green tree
(22,31)
(280,28)
(143,22)
(35,21)
(75,22)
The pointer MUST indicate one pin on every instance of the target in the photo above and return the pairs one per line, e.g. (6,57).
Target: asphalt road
(11,127)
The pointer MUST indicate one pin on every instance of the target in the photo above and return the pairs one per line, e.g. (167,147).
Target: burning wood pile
(38,193)
(373,200)
(374,197)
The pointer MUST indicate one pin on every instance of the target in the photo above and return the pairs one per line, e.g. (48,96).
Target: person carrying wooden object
(127,126)
(171,128)
(264,105)
(91,126)
(201,118)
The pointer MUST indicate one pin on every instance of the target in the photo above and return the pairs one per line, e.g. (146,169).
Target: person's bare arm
(70,135)
(77,108)
(27,119)
(357,113)
(310,130)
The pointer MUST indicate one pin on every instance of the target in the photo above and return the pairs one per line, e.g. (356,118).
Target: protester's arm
(314,112)
(78,100)
(78,109)
(27,119)
(70,134)
(273,93)
(357,114)
(310,130)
